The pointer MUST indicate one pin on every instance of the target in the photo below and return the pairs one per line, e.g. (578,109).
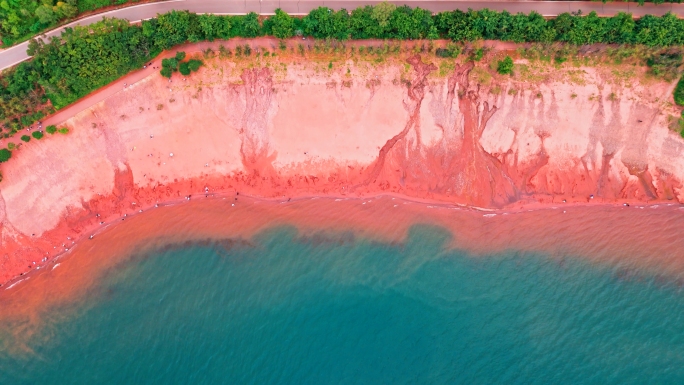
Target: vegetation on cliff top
(23,19)
(171,65)
(86,58)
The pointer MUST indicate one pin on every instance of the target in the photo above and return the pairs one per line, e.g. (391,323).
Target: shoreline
(92,232)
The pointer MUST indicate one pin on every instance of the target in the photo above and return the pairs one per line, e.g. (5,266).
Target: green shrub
(679,92)
(184,69)
(224,52)
(37,134)
(170,63)
(166,72)
(51,129)
(505,66)
(11,146)
(451,51)
(25,138)
(180,56)
(195,64)
(5,155)
(280,25)
(63,130)
(477,55)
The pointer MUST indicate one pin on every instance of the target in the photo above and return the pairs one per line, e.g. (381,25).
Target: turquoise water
(337,309)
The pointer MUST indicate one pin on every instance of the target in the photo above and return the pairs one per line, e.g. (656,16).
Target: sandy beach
(340,125)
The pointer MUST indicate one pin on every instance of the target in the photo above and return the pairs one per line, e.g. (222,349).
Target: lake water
(284,306)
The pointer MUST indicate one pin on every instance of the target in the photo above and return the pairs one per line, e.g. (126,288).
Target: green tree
(212,26)
(166,72)
(51,129)
(362,25)
(65,10)
(323,22)
(46,15)
(25,138)
(382,13)
(184,69)
(37,134)
(170,29)
(281,25)
(247,25)
(170,63)
(194,64)
(5,155)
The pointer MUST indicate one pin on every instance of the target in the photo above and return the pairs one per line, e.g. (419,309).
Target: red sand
(276,128)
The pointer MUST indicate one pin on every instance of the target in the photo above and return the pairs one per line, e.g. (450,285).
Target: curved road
(17,54)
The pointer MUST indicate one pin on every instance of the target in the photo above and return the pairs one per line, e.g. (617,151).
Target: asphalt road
(17,54)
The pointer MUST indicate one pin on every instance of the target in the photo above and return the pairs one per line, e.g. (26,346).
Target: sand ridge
(286,128)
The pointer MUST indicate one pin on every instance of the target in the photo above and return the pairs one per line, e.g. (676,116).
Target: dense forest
(86,58)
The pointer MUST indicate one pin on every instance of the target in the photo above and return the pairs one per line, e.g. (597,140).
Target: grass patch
(481,75)
(446,68)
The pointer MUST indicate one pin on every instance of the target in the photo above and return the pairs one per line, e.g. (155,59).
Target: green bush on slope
(5,155)
(505,66)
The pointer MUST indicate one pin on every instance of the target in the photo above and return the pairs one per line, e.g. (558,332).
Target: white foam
(16,283)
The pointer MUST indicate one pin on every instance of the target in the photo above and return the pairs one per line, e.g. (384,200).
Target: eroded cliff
(419,126)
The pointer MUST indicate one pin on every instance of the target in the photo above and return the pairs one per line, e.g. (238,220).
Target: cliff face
(441,131)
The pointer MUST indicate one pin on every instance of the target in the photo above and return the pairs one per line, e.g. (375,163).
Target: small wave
(16,283)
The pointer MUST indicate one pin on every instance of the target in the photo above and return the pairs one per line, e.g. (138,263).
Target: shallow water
(288,305)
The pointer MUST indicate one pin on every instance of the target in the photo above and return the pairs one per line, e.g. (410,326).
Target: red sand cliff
(284,129)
